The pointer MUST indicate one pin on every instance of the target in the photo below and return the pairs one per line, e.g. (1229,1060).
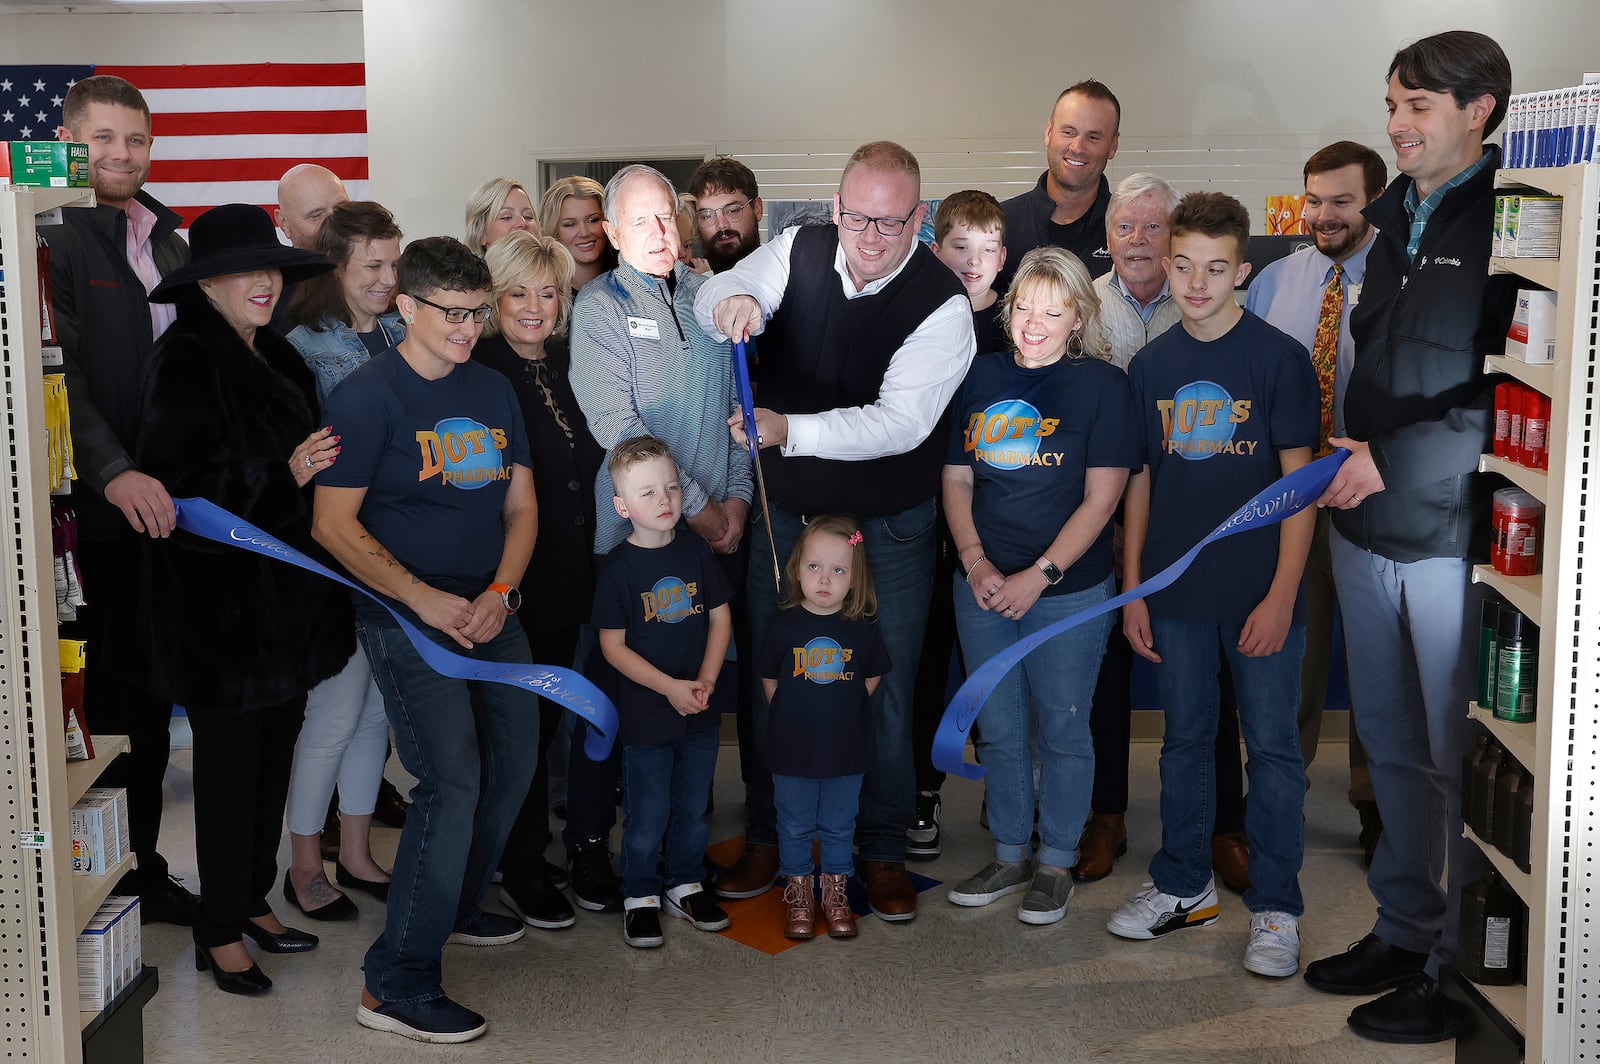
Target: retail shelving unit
(45,905)
(1555,1014)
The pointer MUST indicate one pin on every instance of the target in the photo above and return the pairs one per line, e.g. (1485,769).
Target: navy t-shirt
(662,597)
(1029,435)
(435,458)
(986,327)
(1214,416)
(820,725)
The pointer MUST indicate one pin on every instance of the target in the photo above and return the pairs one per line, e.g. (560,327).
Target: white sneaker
(1151,914)
(1274,947)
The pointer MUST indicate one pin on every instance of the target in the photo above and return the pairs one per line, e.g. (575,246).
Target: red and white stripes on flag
(226,133)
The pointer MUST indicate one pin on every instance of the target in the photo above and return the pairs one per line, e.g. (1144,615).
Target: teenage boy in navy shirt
(661,606)
(1228,404)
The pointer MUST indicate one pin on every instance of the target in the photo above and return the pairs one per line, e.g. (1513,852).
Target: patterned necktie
(1325,350)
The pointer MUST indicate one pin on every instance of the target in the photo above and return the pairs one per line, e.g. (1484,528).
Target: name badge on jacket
(644,329)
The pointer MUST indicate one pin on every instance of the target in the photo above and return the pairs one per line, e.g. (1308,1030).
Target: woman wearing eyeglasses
(573,211)
(431,505)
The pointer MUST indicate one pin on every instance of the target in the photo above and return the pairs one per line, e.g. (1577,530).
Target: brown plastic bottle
(1484,775)
(1469,774)
(1491,926)
(1507,788)
(1522,826)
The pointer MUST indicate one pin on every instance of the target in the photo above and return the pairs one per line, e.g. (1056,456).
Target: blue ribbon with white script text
(1283,499)
(566,687)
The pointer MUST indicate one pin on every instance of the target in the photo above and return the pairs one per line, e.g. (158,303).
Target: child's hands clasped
(689,697)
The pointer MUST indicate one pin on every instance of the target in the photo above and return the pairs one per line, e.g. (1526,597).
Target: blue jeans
(1410,630)
(1043,704)
(900,551)
(1268,693)
(820,808)
(664,811)
(472,746)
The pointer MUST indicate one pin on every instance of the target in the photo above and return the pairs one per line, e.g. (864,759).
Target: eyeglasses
(457,315)
(732,213)
(857,223)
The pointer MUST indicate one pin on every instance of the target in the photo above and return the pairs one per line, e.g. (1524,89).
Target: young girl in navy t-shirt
(820,665)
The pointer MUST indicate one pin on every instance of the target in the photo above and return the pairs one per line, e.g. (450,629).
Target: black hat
(237,238)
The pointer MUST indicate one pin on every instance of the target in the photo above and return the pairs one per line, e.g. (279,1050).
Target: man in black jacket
(103,262)
(1412,514)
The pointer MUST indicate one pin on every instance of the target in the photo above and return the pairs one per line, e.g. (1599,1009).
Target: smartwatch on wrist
(508,595)
(1052,572)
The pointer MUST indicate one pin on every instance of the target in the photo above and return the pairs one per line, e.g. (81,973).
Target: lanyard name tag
(644,329)
(1352,294)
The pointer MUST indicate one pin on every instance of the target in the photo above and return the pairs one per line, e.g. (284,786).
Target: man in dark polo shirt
(865,337)
(1067,208)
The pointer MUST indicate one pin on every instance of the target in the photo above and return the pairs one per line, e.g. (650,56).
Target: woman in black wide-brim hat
(231,416)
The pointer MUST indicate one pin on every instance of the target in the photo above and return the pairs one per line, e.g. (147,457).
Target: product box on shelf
(118,797)
(96,844)
(45,164)
(1532,336)
(127,943)
(97,964)
(1532,228)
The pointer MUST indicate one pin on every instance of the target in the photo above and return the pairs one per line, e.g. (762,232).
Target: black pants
(529,836)
(1111,728)
(933,670)
(241,785)
(115,707)
(592,785)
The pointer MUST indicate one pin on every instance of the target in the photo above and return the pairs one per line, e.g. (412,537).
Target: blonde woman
(495,208)
(573,211)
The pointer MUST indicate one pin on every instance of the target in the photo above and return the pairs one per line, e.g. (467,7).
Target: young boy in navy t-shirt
(661,606)
(1227,405)
(969,236)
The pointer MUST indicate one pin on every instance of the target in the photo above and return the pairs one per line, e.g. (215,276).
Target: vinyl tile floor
(953,985)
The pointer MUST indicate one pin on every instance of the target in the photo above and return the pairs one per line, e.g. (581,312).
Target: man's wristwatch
(1052,572)
(509,595)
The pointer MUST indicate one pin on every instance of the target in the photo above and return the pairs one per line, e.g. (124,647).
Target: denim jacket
(336,350)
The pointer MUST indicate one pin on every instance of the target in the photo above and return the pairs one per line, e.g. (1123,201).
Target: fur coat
(214,628)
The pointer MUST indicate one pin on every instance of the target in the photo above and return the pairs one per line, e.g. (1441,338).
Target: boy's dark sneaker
(487,929)
(922,838)
(641,926)
(595,885)
(538,903)
(438,1020)
(696,905)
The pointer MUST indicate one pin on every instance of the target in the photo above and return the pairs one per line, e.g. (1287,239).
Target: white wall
(135,39)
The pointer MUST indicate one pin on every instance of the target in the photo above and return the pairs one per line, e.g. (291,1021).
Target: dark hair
(346,225)
(1095,90)
(969,207)
(440,262)
(723,174)
(1213,214)
(102,88)
(1464,63)
(1343,153)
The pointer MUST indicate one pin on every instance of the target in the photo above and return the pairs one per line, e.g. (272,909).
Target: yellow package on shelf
(58,429)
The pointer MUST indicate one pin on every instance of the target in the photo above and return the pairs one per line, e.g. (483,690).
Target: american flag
(223,133)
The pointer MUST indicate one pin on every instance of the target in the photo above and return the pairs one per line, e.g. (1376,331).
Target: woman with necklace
(525,341)
(342,319)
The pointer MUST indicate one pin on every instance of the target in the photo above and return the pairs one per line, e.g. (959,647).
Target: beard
(723,256)
(1339,243)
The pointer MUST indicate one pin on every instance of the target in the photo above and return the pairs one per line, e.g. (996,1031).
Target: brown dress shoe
(890,892)
(752,874)
(836,908)
(801,919)
(1230,856)
(1104,840)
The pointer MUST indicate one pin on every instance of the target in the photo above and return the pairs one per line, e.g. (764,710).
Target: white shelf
(1526,593)
(1509,1001)
(1540,376)
(82,774)
(1552,180)
(89,891)
(49,199)
(1519,881)
(1535,482)
(1518,739)
(1546,273)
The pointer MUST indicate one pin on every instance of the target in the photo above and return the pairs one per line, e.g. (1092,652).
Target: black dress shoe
(250,981)
(345,878)
(342,908)
(291,940)
(538,903)
(1415,1013)
(391,808)
(167,901)
(1370,966)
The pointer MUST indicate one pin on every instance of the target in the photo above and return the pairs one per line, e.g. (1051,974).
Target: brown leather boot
(801,921)
(1230,856)
(752,875)
(890,892)
(1104,840)
(836,907)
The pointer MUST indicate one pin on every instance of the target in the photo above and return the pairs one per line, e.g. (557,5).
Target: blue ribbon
(1283,499)
(565,687)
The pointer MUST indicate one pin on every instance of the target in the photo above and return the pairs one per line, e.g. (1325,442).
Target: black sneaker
(487,929)
(555,874)
(641,927)
(438,1020)
(698,907)
(539,904)
(595,885)
(922,838)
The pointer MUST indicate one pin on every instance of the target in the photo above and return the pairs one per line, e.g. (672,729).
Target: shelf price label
(33,840)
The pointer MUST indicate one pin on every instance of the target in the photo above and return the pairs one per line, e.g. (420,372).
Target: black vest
(822,351)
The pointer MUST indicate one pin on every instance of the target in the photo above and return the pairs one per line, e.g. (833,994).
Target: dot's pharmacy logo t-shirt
(821,721)
(1029,437)
(1213,417)
(435,458)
